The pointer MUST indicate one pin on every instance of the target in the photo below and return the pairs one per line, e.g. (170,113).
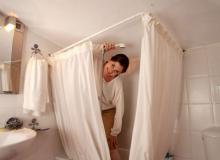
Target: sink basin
(14,142)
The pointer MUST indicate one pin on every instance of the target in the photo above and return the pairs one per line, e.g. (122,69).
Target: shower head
(120,45)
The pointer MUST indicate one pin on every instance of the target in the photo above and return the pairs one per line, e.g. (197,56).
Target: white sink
(14,142)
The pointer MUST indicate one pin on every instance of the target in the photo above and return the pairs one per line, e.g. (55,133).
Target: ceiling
(192,22)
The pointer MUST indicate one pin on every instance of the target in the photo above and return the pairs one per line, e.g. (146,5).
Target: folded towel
(36,86)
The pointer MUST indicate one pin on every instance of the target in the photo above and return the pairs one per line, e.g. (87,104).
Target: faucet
(34,123)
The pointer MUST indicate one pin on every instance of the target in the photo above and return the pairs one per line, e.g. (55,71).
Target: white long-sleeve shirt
(110,94)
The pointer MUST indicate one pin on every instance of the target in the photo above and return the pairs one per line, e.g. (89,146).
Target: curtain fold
(76,104)
(159,92)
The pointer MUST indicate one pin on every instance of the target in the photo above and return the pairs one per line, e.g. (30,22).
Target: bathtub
(14,142)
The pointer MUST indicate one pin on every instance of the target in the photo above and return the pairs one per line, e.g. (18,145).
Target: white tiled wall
(46,145)
(200,103)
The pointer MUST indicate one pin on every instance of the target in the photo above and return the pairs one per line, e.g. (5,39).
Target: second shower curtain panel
(159,92)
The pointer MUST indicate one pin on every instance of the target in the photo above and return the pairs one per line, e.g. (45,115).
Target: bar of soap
(3,130)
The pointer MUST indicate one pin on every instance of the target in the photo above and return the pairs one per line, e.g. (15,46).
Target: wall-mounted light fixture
(10,23)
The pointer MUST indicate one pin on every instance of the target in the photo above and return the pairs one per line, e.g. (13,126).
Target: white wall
(47,144)
(201,101)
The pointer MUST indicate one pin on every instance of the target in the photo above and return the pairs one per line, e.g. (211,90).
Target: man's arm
(119,103)
(102,48)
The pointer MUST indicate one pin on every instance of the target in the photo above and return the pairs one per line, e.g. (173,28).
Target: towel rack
(36,50)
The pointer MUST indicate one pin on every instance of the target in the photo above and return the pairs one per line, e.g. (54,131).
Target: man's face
(111,70)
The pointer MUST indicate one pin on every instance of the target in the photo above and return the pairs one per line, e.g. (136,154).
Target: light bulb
(10,23)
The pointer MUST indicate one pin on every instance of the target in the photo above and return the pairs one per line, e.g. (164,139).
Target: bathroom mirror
(11,43)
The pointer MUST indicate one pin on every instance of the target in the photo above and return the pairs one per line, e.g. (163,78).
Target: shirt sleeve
(119,103)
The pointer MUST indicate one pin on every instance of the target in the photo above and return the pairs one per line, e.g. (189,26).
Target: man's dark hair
(123,60)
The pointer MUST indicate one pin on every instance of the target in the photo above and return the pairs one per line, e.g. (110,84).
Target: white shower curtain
(76,104)
(158,93)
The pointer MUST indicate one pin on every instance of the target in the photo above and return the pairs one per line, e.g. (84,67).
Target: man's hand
(113,142)
(108,46)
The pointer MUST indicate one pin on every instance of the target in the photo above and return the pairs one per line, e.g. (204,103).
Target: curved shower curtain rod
(100,32)
(140,14)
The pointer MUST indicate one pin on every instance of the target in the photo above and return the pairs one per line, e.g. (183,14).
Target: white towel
(6,77)
(36,86)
